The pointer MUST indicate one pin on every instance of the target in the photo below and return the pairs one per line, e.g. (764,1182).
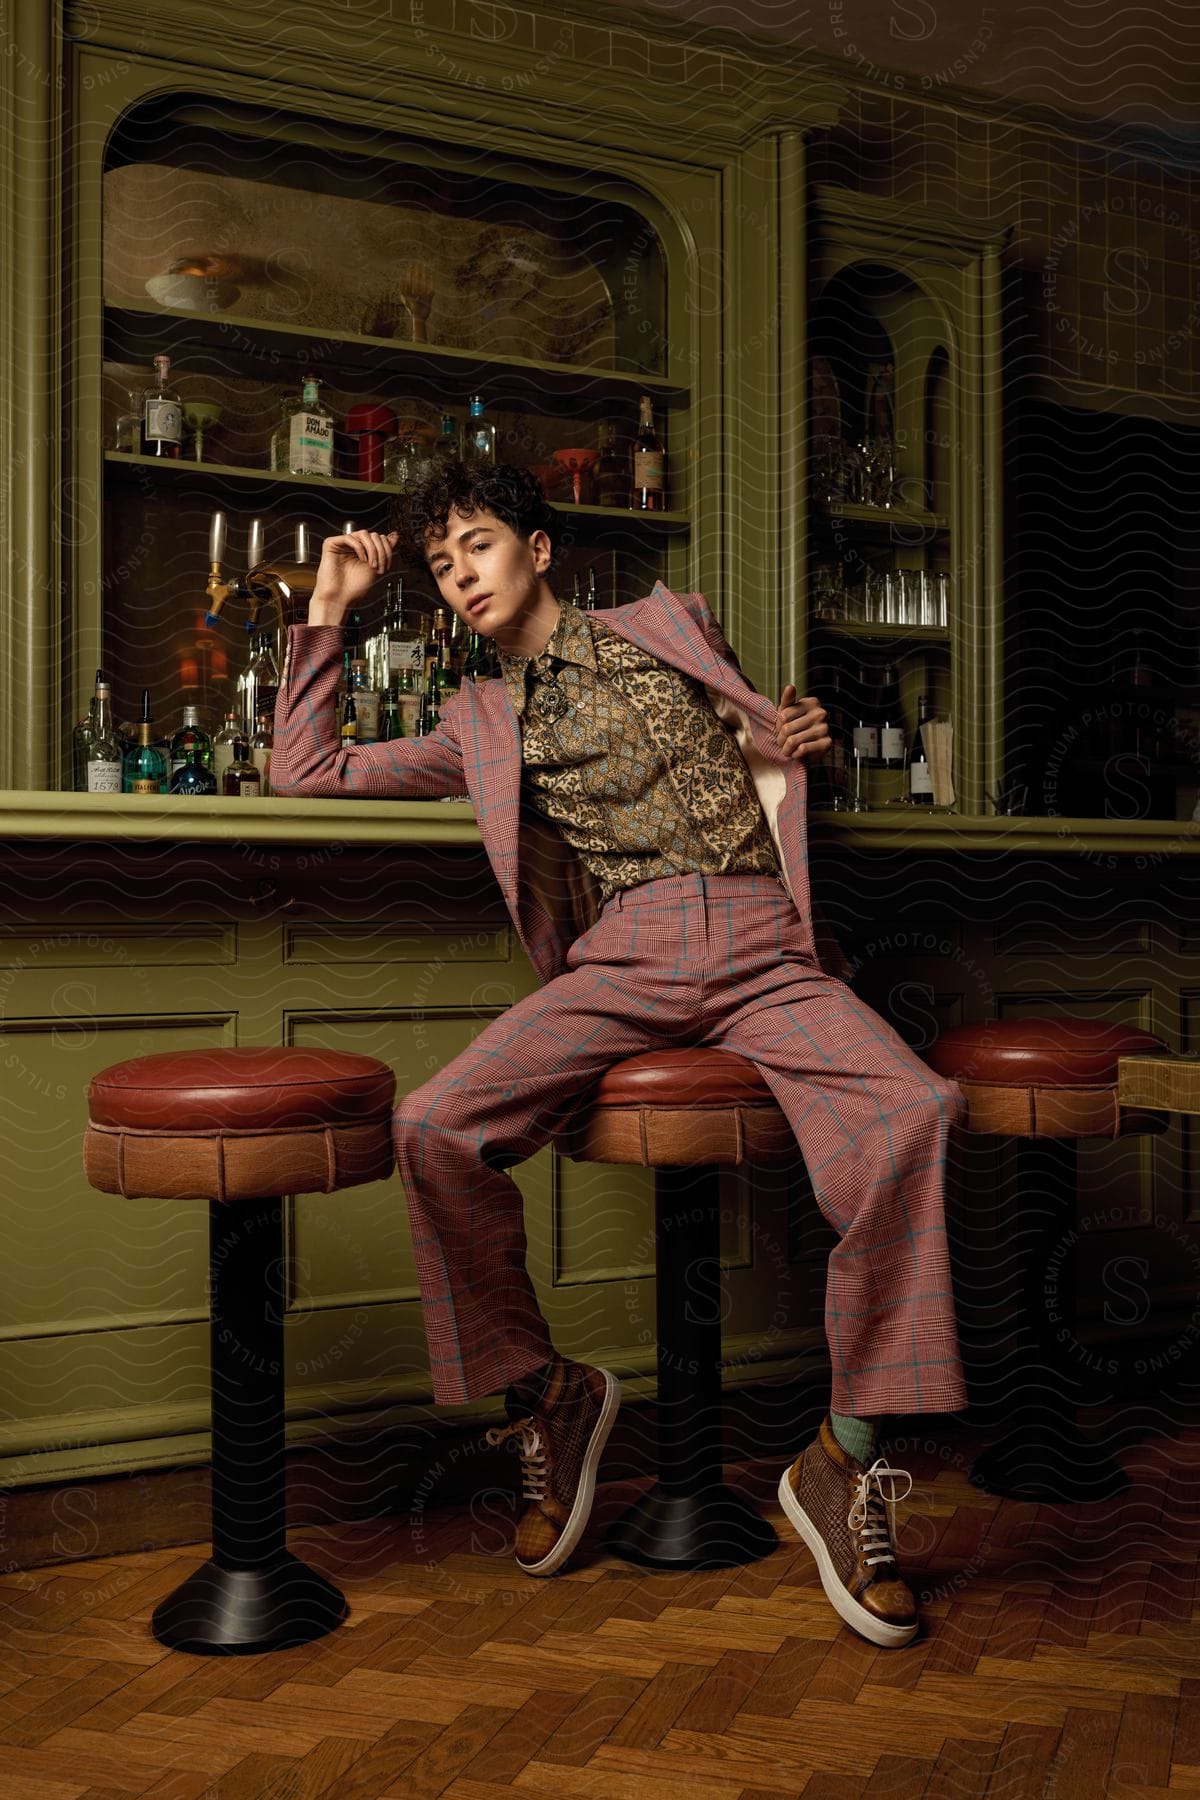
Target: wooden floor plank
(1060,1656)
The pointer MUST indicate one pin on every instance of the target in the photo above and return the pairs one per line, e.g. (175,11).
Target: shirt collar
(570,641)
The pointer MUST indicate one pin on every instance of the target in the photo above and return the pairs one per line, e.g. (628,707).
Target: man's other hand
(802,726)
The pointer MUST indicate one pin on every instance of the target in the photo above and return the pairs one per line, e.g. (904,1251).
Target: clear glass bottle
(865,737)
(258,683)
(366,702)
(223,747)
(144,769)
(242,779)
(190,734)
(103,761)
(81,737)
(191,777)
(649,462)
(400,644)
(162,414)
(261,746)
(309,431)
(920,775)
(479,438)
(448,443)
(612,470)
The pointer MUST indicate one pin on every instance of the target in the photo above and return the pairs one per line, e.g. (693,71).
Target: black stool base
(714,1529)
(1064,1467)
(243,1612)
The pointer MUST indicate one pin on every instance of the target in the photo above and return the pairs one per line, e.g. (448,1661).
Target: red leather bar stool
(686,1114)
(241,1128)
(1048,1083)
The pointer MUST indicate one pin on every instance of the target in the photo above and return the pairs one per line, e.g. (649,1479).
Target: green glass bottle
(145,770)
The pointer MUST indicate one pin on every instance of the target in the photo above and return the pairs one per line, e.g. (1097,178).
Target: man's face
(486,573)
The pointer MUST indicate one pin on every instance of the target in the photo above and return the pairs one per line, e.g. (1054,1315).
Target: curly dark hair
(422,514)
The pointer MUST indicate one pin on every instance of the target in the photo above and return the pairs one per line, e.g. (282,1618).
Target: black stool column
(1043,1455)
(252,1594)
(690,1519)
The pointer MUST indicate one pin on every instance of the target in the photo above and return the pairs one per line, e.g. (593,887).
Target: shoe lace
(872,1511)
(532,1451)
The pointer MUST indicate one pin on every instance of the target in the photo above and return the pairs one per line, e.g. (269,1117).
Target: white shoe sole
(581,1512)
(888,1637)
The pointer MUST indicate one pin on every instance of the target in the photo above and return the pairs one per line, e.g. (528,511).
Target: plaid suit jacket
(476,752)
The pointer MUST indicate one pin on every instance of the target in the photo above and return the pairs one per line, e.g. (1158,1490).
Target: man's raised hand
(801,726)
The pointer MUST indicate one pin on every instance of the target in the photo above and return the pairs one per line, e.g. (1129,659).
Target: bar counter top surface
(29,816)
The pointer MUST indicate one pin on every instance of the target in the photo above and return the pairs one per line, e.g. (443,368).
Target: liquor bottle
(349,718)
(592,598)
(482,663)
(437,648)
(865,736)
(391,726)
(191,777)
(242,780)
(102,758)
(162,414)
(401,643)
(447,445)
(612,470)
(144,769)
(258,683)
(189,735)
(891,722)
(649,462)
(410,701)
(309,431)
(81,737)
(479,438)
(432,712)
(920,776)
(127,430)
(261,746)
(223,748)
(366,702)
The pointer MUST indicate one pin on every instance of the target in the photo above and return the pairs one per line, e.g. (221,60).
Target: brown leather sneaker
(843,1512)
(559,1437)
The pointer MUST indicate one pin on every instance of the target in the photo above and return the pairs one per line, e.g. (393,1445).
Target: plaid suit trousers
(705,960)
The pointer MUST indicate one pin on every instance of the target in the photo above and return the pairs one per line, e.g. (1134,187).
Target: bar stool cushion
(1045,1078)
(685,1108)
(234,1125)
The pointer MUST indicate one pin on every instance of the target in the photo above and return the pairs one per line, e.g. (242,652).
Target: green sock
(858,1437)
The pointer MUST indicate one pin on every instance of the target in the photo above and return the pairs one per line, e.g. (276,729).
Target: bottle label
(104,778)
(366,705)
(891,743)
(406,653)
(142,784)
(249,786)
(866,743)
(648,470)
(920,781)
(311,443)
(164,421)
(410,714)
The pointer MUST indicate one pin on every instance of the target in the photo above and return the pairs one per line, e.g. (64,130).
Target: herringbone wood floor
(1060,1658)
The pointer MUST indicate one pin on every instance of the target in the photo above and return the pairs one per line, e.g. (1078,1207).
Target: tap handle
(302,542)
(216,538)
(255,546)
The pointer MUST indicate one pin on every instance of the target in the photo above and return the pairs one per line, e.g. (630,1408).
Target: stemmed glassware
(199,416)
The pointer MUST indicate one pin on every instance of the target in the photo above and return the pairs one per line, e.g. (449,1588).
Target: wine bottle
(891,724)
(649,462)
(612,469)
(920,775)
(865,737)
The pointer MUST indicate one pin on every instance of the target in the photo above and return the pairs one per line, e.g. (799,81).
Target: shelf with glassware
(881,637)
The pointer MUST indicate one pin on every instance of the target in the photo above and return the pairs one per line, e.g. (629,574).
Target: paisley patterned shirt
(627,758)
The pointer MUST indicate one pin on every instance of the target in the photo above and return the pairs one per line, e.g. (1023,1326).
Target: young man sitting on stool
(681,792)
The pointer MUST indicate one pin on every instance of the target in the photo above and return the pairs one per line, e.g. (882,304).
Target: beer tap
(282,586)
